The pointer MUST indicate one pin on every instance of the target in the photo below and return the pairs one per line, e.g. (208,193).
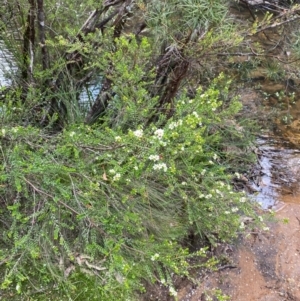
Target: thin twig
(101,148)
(45,193)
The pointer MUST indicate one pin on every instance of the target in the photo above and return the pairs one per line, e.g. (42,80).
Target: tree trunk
(28,45)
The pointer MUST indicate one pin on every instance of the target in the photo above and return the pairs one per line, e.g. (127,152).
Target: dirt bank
(267,264)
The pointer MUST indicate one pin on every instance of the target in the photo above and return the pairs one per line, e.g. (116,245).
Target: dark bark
(28,45)
(42,35)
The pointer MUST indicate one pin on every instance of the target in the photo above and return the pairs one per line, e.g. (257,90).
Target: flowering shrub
(94,211)
(111,205)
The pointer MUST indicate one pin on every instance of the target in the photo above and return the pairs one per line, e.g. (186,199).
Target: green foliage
(110,205)
(96,212)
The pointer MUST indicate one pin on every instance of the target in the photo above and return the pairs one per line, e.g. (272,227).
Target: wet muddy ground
(267,264)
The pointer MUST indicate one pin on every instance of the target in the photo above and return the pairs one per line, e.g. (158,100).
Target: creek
(8,69)
(7,66)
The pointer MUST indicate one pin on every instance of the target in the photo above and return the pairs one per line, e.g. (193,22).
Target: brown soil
(267,264)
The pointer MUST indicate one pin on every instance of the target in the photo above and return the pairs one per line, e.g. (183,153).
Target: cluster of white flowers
(154,257)
(154,158)
(116,177)
(174,125)
(118,138)
(172,291)
(72,134)
(160,166)
(195,114)
(159,133)
(163,281)
(138,133)
(208,196)
(234,209)
(242,200)
(112,171)
(219,192)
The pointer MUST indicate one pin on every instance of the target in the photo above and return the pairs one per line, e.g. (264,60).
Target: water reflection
(279,172)
(89,94)
(7,66)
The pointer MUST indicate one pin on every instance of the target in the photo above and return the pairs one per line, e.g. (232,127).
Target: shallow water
(279,172)
(7,66)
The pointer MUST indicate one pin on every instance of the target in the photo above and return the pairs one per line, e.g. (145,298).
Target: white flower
(135,167)
(138,133)
(219,192)
(242,225)
(209,196)
(154,257)
(184,183)
(203,172)
(112,171)
(159,133)
(118,138)
(226,212)
(173,125)
(172,291)
(234,209)
(242,200)
(210,162)
(266,228)
(72,134)
(195,114)
(160,166)
(154,158)
(237,175)
(215,156)
(117,177)
(260,218)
